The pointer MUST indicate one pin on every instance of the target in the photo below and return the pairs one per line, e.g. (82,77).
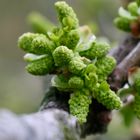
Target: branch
(119,77)
(120,52)
(98,118)
(52,124)
(126,2)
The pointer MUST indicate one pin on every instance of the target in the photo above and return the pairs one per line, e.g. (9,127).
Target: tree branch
(120,52)
(52,124)
(119,77)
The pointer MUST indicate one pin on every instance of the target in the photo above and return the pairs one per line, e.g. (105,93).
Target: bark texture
(52,124)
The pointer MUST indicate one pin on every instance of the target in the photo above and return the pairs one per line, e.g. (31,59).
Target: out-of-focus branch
(52,124)
(126,2)
(119,76)
(120,52)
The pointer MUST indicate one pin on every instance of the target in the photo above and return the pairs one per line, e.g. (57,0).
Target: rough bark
(52,124)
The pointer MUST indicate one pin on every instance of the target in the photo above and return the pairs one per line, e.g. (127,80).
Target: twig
(119,77)
(120,52)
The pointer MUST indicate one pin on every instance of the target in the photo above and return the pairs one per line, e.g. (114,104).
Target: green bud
(91,80)
(107,97)
(35,43)
(97,50)
(25,41)
(55,35)
(76,82)
(79,104)
(126,14)
(133,8)
(70,39)
(62,55)
(41,66)
(122,23)
(90,68)
(66,15)
(76,66)
(40,45)
(136,106)
(39,23)
(105,66)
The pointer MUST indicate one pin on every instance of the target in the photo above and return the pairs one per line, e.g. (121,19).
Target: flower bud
(133,8)
(123,24)
(79,104)
(70,39)
(76,82)
(107,97)
(41,66)
(76,66)
(40,45)
(62,55)
(25,41)
(66,15)
(97,50)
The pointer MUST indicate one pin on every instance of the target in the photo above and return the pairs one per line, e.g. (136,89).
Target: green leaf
(29,57)
(60,82)
(133,8)
(124,13)
(128,115)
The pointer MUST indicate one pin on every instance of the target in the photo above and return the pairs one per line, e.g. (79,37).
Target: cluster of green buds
(78,60)
(129,19)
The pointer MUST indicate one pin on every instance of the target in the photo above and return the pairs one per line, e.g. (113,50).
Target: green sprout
(128,19)
(80,62)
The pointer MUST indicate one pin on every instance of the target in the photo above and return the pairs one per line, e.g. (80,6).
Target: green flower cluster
(81,66)
(105,96)
(128,19)
(79,104)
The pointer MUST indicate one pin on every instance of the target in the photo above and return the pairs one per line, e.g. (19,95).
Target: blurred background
(22,92)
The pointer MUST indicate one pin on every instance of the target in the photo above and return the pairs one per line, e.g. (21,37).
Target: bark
(129,58)
(52,124)
(124,48)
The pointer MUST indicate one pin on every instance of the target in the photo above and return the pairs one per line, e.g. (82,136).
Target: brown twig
(120,52)
(119,77)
